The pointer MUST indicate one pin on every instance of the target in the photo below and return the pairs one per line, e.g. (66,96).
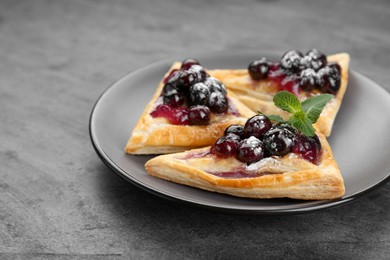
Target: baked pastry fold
(155,135)
(258,94)
(274,177)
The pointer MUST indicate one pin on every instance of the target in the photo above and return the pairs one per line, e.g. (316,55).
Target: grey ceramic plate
(359,139)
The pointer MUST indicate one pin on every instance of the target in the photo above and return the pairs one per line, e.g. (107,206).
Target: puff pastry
(273,177)
(155,135)
(258,95)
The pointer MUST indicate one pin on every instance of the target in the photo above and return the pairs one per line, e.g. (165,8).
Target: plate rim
(327,204)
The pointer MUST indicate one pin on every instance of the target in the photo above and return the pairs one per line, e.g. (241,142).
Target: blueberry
(225,146)
(199,94)
(309,80)
(215,85)
(199,115)
(314,60)
(291,61)
(187,79)
(172,77)
(258,69)
(174,98)
(257,126)
(278,141)
(200,72)
(309,148)
(250,150)
(187,63)
(329,79)
(218,102)
(235,129)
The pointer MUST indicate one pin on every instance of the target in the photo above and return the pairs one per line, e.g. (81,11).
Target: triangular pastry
(299,174)
(257,92)
(169,123)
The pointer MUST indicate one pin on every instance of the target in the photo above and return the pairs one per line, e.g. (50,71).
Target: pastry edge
(317,183)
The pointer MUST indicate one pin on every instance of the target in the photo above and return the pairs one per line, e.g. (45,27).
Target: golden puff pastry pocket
(172,123)
(257,94)
(288,176)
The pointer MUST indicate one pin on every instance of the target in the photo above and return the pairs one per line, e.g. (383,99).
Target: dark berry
(309,148)
(173,76)
(179,116)
(169,87)
(162,111)
(329,79)
(235,129)
(186,79)
(199,115)
(309,79)
(286,126)
(199,94)
(200,72)
(174,98)
(225,146)
(291,60)
(187,63)
(257,126)
(218,102)
(314,60)
(278,141)
(176,116)
(258,69)
(250,150)
(215,85)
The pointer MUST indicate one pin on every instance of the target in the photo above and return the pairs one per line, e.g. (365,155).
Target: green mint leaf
(301,122)
(287,102)
(276,118)
(313,106)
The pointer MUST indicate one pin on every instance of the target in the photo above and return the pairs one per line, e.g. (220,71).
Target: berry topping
(174,98)
(257,126)
(329,78)
(199,115)
(215,85)
(218,102)
(187,63)
(192,86)
(187,78)
(177,116)
(309,80)
(296,72)
(278,141)
(200,72)
(291,60)
(314,60)
(250,150)
(199,94)
(258,69)
(225,146)
(173,76)
(235,129)
(309,148)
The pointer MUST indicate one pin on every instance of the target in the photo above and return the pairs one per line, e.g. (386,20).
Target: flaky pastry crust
(158,136)
(258,95)
(286,177)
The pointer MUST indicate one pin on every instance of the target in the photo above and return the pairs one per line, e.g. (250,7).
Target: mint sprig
(303,115)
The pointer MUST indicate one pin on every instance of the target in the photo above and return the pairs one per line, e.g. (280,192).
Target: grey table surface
(59,201)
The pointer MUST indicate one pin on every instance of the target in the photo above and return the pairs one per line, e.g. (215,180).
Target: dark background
(58,200)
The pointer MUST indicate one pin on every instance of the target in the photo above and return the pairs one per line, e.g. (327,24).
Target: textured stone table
(59,201)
